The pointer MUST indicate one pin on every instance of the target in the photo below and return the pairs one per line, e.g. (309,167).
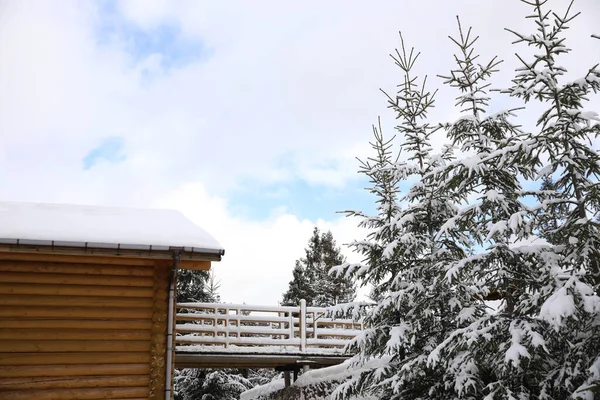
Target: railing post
(314,321)
(237,312)
(226,326)
(291,314)
(302,325)
(216,322)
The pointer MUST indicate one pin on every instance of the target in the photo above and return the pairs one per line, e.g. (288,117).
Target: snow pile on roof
(106,227)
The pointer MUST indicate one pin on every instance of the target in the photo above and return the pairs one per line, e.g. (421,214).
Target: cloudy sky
(246,116)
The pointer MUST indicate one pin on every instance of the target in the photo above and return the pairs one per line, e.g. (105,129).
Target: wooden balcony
(245,336)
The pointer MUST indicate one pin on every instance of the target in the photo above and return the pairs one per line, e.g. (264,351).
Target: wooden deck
(254,360)
(212,335)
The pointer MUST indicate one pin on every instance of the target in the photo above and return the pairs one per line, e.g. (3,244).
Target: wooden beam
(253,360)
(88,324)
(25,371)
(159,350)
(64,382)
(194,265)
(81,301)
(10,359)
(76,393)
(74,268)
(76,279)
(16,312)
(75,258)
(72,334)
(75,290)
(75,346)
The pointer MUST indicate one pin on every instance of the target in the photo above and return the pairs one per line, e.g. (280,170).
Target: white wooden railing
(213,327)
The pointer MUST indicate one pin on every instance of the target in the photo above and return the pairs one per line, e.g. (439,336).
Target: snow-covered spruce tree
(210,384)
(311,280)
(380,171)
(331,289)
(299,287)
(483,355)
(533,346)
(193,286)
(403,257)
(212,287)
(569,268)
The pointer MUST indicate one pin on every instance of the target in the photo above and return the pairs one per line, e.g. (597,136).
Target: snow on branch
(354,310)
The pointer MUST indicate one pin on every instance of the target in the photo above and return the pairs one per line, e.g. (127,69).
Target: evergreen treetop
(192,286)
(311,279)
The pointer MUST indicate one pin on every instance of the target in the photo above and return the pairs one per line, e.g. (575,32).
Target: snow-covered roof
(101,227)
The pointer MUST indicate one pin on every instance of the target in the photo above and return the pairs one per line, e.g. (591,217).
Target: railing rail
(241,327)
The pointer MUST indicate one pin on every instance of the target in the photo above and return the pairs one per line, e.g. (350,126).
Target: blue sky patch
(301,199)
(167,40)
(110,149)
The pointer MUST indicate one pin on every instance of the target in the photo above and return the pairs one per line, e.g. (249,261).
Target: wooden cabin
(87,299)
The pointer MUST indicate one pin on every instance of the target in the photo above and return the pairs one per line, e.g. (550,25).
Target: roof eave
(131,250)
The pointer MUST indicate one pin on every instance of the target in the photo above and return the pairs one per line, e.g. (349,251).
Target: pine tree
(212,288)
(299,287)
(311,278)
(568,284)
(210,384)
(403,255)
(479,356)
(192,286)
(467,230)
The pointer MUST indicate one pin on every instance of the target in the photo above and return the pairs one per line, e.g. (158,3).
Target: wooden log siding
(159,329)
(82,328)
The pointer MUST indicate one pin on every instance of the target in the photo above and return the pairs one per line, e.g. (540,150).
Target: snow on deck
(105,227)
(258,349)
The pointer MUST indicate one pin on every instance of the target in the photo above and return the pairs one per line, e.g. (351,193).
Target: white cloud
(259,255)
(289,91)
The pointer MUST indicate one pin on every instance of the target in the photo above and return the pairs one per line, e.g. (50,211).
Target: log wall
(82,330)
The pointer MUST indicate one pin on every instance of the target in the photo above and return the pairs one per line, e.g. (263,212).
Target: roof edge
(79,248)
